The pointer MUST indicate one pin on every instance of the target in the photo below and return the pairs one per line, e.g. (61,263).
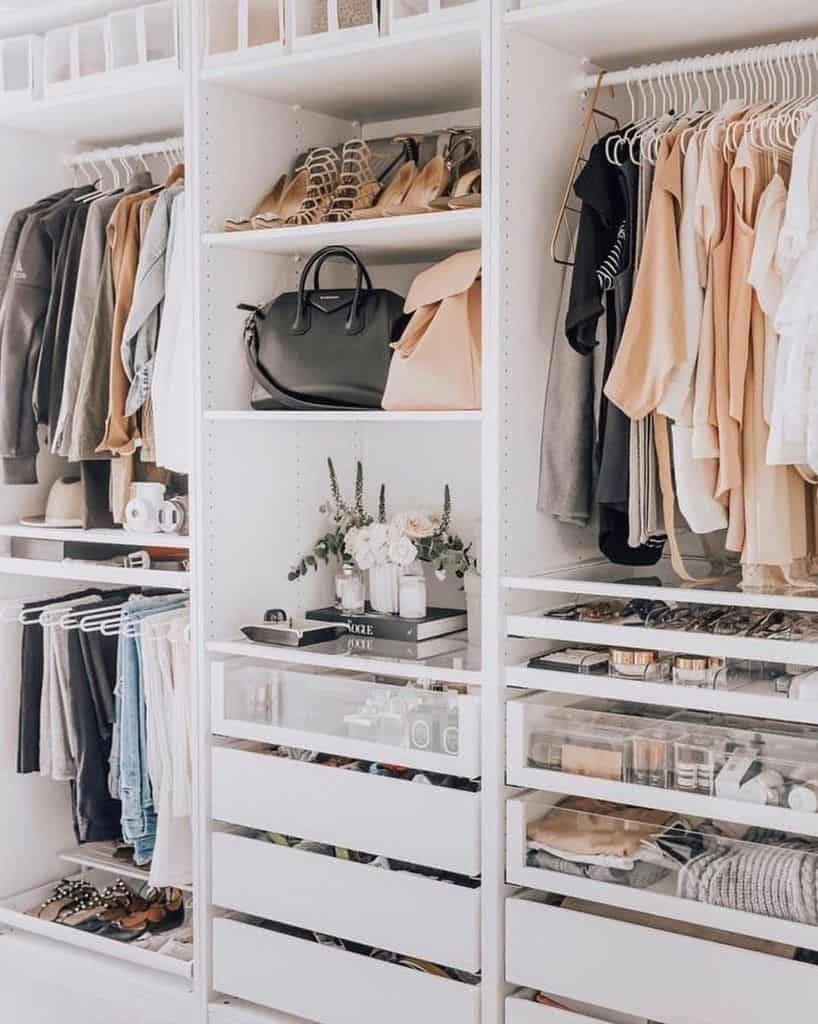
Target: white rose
(402,552)
(418,525)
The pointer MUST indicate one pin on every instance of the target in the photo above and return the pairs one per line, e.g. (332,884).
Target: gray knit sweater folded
(765,874)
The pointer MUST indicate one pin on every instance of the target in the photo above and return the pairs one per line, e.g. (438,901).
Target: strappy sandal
(460,156)
(165,910)
(294,195)
(357,186)
(466,193)
(394,193)
(322,171)
(269,205)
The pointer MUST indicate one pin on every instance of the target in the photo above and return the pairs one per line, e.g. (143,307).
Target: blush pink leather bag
(437,362)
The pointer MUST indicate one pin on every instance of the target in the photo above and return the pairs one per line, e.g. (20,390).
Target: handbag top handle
(315,262)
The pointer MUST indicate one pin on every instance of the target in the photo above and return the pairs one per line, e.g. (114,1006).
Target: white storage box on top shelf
(76,57)
(21,74)
(238,29)
(411,15)
(349,714)
(653,968)
(435,826)
(143,38)
(314,23)
(330,985)
(421,916)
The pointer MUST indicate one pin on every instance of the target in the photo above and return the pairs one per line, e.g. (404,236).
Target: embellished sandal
(357,186)
(66,894)
(322,171)
(165,910)
(269,205)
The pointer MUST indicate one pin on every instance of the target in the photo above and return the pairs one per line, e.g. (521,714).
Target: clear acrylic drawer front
(22,64)
(234,26)
(159,21)
(265,22)
(92,48)
(222,26)
(405,15)
(124,32)
(747,760)
(657,858)
(348,714)
(331,22)
(60,53)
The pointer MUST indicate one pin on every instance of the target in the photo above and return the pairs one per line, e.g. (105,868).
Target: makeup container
(644,666)
(691,671)
(695,764)
(651,759)
(572,659)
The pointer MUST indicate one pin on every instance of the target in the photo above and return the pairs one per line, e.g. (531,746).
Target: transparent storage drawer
(235,27)
(411,15)
(21,59)
(737,759)
(313,23)
(143,37)
(349,714)
(665,863)
(76,56)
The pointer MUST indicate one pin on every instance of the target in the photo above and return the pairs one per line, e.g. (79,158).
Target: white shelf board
(339,416)
(618,33)
(754,700)
(536,625)
(665,904)
(350,662)
(373,80)
(100,857)
(121,537)
(14,914)
(605,580)
(90,573)
(414,238)
(694,804)
(119,112)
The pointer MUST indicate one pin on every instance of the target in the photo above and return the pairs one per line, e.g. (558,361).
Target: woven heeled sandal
(358,188)
(322,173)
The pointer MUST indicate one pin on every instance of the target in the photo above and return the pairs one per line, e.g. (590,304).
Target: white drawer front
(329,985)
(411,821)
(653,973)
(392,910)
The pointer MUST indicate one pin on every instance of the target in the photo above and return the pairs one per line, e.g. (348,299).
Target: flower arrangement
(405,538)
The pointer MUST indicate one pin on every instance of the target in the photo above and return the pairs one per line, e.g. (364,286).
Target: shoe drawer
(521,1009)
(421,824)
(651,973)
(330,985)
(395,910)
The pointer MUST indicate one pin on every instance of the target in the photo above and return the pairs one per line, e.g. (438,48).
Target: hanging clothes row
(95,346)
(105,704)
(698,239)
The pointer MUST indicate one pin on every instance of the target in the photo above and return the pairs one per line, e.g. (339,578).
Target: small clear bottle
(349,587)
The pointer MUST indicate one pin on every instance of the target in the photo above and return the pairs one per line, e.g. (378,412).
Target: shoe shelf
(15,915)
(100,857)
(121,537)
(369,80)
(659,899)
(620,33)
(755,700)
(341,416)
(463,667)
(538,625)
(414,238)
(90,572)
(602,579)
(119,112)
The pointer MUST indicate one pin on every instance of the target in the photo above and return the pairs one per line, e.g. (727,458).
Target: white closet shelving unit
(523,76)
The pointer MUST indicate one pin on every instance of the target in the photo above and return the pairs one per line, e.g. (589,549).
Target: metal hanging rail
(135,151)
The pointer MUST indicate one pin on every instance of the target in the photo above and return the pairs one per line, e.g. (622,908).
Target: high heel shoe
(395,191)
(357,186)
(466,193)
(294,195)
(268,205)
(322,171)
(464,165)
(429,185)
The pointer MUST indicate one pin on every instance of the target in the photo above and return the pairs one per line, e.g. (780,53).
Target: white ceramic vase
(384,589)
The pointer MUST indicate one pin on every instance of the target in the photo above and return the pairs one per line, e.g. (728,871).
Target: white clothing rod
(133,152)
(706,64)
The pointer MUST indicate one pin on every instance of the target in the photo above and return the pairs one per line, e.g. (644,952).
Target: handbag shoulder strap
(287,399)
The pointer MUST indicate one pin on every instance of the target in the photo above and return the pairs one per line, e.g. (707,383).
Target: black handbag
(323,349)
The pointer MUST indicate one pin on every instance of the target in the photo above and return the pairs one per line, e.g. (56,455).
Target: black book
(438,622)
